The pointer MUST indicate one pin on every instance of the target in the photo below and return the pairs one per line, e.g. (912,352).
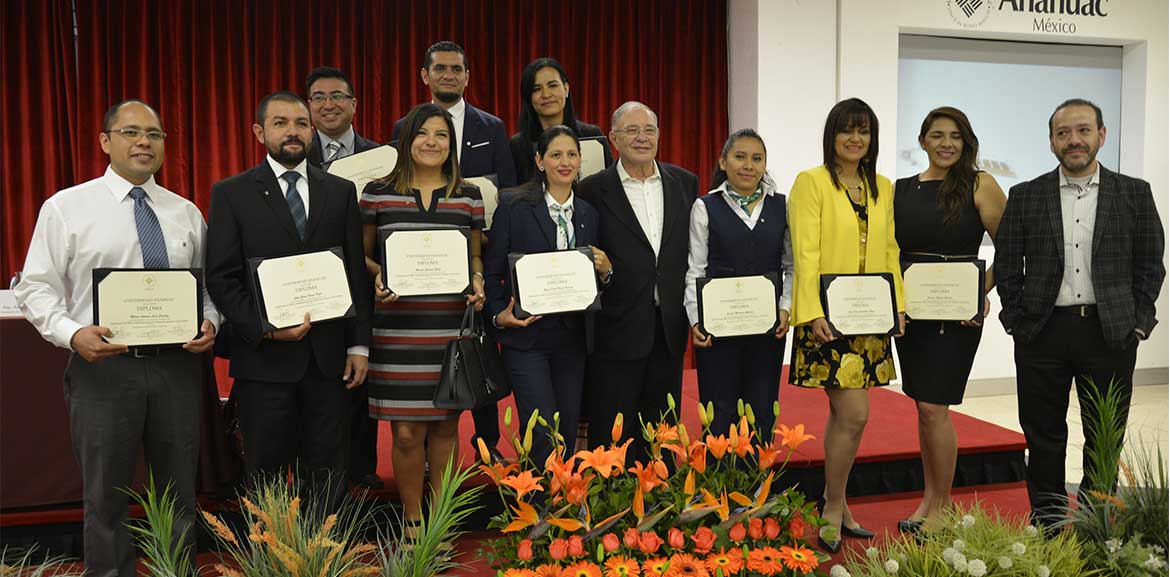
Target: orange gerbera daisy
(548,570)
(730,561)
(800,559)
(581,569)
(621,566)
(655,567)
(519,573)
(765,561)
(686,565)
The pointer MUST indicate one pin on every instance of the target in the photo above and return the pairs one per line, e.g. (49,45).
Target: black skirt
(936,358)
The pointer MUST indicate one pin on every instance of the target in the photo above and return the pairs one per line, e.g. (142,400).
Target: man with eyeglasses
(332,105)
(642,328)
(121,400)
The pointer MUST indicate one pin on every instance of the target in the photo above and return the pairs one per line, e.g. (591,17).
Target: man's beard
(288,157)
(448,97)
(1091,155)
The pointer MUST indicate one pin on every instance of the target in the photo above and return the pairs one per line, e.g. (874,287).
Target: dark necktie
(150,236)
(295,205)
(332,150)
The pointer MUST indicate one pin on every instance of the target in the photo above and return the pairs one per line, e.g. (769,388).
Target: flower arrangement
(704,506)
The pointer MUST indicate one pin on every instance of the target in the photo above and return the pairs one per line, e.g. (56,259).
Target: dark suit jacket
(625,325)
(524,150)
(317,156)
(523,226)
(250,218)
(1127,267)
(485,147)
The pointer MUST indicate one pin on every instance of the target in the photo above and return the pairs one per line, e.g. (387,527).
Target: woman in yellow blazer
(842,219)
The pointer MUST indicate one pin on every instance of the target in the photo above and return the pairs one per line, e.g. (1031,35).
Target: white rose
(1019,548)
(839,571)
(892,566)
(968,521)
(1005,562)
(1042,571)
(977,568)
(959,544)
(872,552)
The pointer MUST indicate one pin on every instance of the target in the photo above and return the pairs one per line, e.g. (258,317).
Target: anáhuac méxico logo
(969,13)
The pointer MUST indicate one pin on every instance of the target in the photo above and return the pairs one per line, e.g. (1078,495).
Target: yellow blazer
(825,238)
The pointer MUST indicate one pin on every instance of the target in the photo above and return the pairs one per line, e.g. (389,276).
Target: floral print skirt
(845,363)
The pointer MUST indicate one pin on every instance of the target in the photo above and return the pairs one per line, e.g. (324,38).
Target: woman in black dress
(545,102)
(941,214)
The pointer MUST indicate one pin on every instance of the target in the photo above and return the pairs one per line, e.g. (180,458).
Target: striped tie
(295,205)
(150,236)
(564,218)
(331,151)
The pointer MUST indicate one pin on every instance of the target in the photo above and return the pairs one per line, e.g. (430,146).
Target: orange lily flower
(650,476)
(689,484)
(720,504)
(498,471)
(740,440)
(577,488)
(767,455)
(717,445)
(618,426)
(665,433)
(523,483)
(560,469)
(698,460)
(603,460)
(525,517)
(792,438)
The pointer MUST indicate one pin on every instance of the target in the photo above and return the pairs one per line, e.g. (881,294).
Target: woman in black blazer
(545,102)
(544,356)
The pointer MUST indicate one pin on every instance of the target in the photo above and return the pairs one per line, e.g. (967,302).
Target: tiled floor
(1148,419)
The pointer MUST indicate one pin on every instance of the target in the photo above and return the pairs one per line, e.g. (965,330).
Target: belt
(144,351)
(1083,311)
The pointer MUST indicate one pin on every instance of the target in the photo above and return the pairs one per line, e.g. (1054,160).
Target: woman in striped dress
(424,190)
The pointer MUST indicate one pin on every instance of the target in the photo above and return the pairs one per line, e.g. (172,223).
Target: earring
(541,168)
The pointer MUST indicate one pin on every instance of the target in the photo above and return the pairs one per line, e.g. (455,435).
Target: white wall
(811,54)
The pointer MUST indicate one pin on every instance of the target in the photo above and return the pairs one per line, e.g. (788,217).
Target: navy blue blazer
(522,226)
(485,147)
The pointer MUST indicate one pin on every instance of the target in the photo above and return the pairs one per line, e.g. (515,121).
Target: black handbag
(472,374)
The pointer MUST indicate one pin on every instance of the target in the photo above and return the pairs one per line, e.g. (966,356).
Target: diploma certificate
(553,282)
(291,286)
(860,304)
(944,291)
(491,197)
(363,167)
(427,261)
(738,306)
(148,307)
(592,156)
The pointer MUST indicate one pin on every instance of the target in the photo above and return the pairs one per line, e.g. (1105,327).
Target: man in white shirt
(120,399)
(332,105)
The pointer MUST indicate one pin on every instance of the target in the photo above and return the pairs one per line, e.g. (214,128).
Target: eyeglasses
(336,97)
(635,131)
(135,134)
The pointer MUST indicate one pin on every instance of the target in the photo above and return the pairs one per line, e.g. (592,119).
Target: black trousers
(632,388)
(363,436)
(549,379)
(1070,348)
(117,407)
(303,425)
(487,424)
(737,368)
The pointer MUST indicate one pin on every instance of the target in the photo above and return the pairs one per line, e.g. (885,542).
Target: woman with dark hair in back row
(545,102)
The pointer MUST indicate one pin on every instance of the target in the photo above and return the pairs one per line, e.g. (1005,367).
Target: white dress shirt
(697,256)
(90,226)
(345,140)
(550,202)
(1078,210)
(647,200)
(458,113)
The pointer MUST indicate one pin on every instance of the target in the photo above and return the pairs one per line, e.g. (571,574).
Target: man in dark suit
(644,208)
(1079,266)
(331,107)
(483,151)
(292,383)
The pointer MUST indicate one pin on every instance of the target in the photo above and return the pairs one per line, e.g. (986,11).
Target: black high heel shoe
(857,532)
(910,526)
(830,546)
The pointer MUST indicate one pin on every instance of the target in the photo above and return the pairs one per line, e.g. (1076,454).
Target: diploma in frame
(945,291)
(738,306)
(145,307)
(422,262)
(286,288)
(860,304)
(490,193)
(364,167)
(546,283)
(592,156)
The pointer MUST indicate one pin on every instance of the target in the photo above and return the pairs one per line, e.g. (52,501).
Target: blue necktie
(150,236)
(295,205)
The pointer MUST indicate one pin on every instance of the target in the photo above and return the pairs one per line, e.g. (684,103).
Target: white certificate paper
(363,167)
(592,157)
(490,195)
(148,307)
(860,304)
(426,262)
(943,291)
(737,306)
(554,282)
(313,283)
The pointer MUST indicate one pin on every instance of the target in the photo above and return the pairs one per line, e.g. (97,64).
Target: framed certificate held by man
(547,283)
(945,291)
(425,262)
(738,306)
(860,304)
(287,288)
(145,307)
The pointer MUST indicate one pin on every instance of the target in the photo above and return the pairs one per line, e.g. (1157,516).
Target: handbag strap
(468,326)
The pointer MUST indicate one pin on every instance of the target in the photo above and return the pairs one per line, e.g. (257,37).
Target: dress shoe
(371,481)
(910,526)
(858,532)
(829,545)
(497,456)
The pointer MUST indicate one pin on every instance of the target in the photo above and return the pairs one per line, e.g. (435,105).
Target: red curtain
(205,64)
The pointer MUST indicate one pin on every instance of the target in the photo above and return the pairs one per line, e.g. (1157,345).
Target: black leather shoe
(909,526)
(371,481)
(858,532)
(830,546)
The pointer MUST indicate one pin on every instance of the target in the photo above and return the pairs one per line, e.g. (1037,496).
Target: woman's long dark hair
(959,185)
(718,176)
(403,173)
(530,125)
(846,115)
(534,189)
